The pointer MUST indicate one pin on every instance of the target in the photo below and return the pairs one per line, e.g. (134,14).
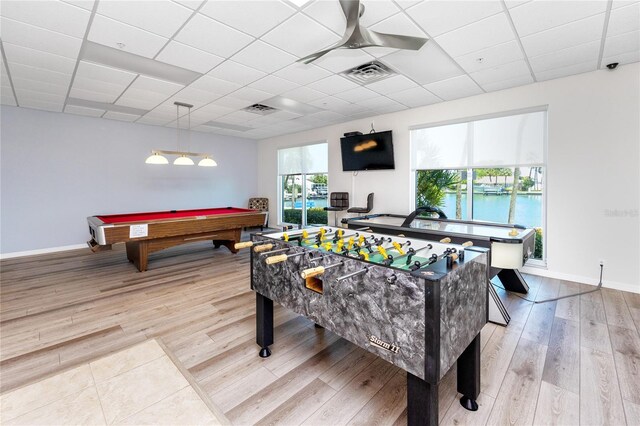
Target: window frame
(541,263)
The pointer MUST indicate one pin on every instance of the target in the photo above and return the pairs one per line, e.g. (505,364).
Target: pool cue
(318,270)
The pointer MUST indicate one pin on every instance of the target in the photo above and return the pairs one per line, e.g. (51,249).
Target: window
(303,179)
(487,169)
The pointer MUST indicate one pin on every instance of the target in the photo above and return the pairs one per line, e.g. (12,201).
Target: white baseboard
(41,251)
(543,272)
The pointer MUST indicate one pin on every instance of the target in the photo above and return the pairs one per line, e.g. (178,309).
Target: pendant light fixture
(184,158)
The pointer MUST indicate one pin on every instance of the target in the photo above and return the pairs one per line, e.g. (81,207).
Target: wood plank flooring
(575,361)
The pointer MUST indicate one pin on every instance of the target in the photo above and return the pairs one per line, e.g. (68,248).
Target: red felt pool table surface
(173,214)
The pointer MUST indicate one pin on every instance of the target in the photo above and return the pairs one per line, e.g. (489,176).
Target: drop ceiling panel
(90,95)
(501,73)
(343,59)
(24,35)
(84,111)
(564,36)
(196,97)
(568,70)
(214,85)
(141,99)
(329,14)
(273,84)
(35,58)
(191,4)
(153,85)
(252,95)
(624,20)
(393,84)
(263,57)
(454,88)
(24,95)
(251,17)
(414,97)
(110,33)
(85,4)
(112,115)
(427,65)
(287,36)
(45,76)
(303,94)
(109,89)
(105,74)
(6,98)
(628,42)
(161,17)
(566,57)
(477,36)
(505,84)
(439,17)
(236,73)
(51,15)
(188,57)
(37,103)
(540,15)
(376,11)
(330,103)
(232,102)
(491,57)
(302,73)
(357,94)
(211,36)
(333,84)
(41,87)
(622,58)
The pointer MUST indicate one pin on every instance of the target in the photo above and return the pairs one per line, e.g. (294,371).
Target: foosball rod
(353,274)
(412,252)
(258,248)
(269,253)
(282,257)
(433,259)
(318,270)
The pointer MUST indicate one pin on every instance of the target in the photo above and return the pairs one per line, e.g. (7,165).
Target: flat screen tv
(373,151)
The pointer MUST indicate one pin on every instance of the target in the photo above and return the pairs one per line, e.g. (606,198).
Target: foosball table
(418,304)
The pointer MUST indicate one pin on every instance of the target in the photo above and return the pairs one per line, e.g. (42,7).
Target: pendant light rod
(190,154)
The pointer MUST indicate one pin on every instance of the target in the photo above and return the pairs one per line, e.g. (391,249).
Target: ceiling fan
(357,37)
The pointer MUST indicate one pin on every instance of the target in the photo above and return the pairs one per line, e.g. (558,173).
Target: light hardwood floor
(575,361)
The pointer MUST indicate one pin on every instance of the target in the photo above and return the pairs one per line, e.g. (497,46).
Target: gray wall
(57,169)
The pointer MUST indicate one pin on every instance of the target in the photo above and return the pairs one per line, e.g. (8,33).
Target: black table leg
(264,324)
(422,402)
(469,375)
(512,280)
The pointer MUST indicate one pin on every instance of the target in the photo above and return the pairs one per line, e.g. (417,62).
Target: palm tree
(431,185)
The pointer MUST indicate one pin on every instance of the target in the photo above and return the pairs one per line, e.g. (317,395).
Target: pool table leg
(138,254)
(230,244)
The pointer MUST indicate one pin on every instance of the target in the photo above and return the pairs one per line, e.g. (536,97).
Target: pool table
(145,233)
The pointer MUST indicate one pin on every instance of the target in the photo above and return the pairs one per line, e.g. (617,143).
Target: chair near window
(363,210)
(338,201)
(261,204)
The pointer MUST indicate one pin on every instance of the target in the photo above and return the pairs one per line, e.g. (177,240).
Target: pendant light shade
(183,160)
(184,157)
(156,158)
(207,162)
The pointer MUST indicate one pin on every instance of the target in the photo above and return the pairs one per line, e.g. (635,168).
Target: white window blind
(516,140)
(308,159)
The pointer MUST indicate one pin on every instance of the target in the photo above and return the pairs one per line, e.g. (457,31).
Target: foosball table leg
(422,402)
(264,324)
(469,375)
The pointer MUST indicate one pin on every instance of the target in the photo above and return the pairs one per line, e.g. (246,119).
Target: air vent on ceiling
(369,72)
(260,109)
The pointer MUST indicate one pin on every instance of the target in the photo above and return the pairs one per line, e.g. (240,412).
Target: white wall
(57,169)
(593,166)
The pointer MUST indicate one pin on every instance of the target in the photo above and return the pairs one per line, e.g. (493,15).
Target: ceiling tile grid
(228,55)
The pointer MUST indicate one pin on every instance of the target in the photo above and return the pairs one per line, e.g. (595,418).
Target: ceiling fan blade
(317,55)
(351,9)
(397,41)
